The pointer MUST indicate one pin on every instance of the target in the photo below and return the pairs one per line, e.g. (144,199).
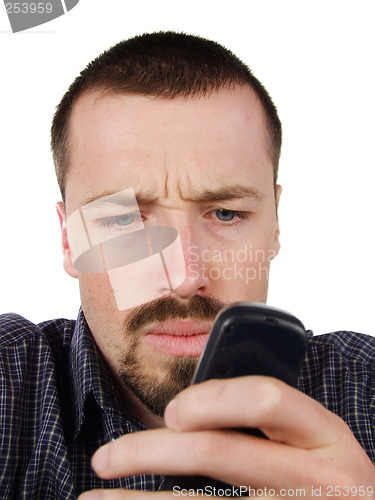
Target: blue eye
(118,221)
(124,220)
(225,215)
(229,216)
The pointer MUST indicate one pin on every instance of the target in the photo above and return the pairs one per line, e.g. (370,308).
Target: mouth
(179,337)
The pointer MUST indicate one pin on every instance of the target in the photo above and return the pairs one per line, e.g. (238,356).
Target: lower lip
(178,345)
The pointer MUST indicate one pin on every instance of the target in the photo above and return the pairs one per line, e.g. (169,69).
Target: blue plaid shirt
(58,404)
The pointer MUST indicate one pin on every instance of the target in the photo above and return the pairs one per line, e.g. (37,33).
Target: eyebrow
(225,193)
(228,193)
(118,198)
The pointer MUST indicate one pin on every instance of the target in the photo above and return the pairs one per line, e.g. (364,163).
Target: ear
(67,253)
(276,242)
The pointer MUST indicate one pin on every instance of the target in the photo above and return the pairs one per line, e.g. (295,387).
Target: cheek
(239,271)
(102,315)
(244,279)
(96,293)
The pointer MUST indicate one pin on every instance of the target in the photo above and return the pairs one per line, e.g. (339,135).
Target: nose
(196,280)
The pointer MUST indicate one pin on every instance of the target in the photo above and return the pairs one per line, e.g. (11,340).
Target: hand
(308,446)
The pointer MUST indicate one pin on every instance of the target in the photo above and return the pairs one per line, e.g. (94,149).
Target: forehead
(185,144)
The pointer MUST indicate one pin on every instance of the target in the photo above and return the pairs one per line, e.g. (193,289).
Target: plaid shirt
(58,404)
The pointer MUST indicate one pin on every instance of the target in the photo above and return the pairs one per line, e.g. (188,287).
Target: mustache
(200,307)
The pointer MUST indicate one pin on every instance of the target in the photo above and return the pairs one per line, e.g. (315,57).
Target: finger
(283,413)
(126,495)
(228,456)
(138,495)
(164,451)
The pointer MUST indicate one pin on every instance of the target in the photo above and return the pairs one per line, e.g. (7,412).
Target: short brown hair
(164,65)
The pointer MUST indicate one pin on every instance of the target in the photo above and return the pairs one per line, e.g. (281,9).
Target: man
(166,151)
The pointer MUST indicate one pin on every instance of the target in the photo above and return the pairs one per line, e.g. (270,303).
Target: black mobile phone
(247,339)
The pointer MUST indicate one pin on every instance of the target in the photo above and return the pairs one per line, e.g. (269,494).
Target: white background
(316,58)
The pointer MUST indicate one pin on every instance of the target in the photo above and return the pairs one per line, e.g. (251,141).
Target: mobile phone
(247,338)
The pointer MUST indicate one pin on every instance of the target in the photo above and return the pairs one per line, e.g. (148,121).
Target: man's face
(198,165)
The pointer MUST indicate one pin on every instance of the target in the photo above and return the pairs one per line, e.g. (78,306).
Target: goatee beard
(154,391)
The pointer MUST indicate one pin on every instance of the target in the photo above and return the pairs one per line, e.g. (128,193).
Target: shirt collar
(89,375)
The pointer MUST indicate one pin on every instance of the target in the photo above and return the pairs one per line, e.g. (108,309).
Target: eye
(119,221)
(225,215)
(124,220)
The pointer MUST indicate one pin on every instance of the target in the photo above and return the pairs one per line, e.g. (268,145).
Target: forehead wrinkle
(205,195)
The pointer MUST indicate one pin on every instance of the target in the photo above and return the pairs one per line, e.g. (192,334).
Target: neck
(139,410)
